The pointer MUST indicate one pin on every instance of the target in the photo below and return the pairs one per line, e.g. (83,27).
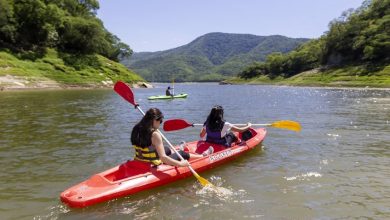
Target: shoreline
(91,87)
(311,86)
(19,83)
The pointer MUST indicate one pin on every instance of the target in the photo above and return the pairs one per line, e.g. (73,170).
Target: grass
(86,70)
(349,76)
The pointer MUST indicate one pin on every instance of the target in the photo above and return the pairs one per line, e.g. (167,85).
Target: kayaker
(149,146)
(219,131)
(168,91)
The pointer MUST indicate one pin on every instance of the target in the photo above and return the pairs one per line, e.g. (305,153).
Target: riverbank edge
(313,85)
(12,83)
(50,71)
(350,77)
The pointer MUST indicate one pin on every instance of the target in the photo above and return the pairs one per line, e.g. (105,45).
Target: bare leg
(195,156)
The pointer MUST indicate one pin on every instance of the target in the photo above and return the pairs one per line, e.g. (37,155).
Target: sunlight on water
(54,212)
(218,191)
(221,193)
(333,135)
(304,176)
(325,162)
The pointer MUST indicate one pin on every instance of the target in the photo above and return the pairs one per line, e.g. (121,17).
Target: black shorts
(229,139)
(174,156)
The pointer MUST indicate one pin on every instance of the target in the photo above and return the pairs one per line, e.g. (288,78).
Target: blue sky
(153,25)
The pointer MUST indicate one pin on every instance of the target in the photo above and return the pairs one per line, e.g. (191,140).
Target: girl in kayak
(148,143)
(218,130)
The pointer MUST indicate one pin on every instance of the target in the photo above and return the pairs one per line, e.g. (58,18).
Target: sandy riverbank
(10,82)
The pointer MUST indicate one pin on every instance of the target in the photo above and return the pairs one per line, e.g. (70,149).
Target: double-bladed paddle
(123,90)
(178,124)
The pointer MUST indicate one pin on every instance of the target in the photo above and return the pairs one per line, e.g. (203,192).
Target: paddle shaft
(238,124)
(169,143)
(173,86)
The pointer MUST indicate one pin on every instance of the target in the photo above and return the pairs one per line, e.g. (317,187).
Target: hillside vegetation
(60,40)
(354,52)
(211,57)
(88,70)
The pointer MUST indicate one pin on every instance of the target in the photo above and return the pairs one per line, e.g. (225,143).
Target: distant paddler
(168,91)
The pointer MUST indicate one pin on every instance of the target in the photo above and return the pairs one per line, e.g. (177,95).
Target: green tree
(275,64)
(357,36)
(68,25)
(7,23)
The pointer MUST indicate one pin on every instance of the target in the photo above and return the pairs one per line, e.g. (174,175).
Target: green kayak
(182,95)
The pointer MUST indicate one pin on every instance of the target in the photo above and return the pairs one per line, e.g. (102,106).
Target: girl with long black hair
(218,130)
(148,143)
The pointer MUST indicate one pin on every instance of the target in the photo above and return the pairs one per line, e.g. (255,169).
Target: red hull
(135,176)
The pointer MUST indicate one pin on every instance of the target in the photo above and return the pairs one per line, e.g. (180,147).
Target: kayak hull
(157,97)
(135,176)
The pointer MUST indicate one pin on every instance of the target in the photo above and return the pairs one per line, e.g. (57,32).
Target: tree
(7,23)
(68,25)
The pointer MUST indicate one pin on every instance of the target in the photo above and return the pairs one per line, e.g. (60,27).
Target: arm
(202,132)
(158,144)
(241,129)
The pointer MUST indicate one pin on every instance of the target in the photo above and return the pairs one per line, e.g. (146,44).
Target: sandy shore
(9,82)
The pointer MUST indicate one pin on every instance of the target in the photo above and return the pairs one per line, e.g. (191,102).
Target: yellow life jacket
(147,154)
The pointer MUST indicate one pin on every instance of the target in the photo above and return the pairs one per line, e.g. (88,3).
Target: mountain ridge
(210,57)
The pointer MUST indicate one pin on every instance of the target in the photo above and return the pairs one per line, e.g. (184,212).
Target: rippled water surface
(338,167)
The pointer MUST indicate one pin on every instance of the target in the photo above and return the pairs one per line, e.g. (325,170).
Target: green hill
(354,52)
(211,57)
(58,41)
(52,71)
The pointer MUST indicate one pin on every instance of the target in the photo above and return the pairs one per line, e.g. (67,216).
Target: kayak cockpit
(128,169)
(135,168)
(201,146)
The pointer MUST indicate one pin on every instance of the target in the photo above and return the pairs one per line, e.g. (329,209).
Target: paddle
(123,90)
(178,124)
(173,86)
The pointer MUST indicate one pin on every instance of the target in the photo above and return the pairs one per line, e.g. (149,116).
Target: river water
(337,167)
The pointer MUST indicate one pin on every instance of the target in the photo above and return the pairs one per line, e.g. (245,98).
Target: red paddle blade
(124,90)
(175,124)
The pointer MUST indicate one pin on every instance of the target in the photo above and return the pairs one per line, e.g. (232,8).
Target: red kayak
(135,176)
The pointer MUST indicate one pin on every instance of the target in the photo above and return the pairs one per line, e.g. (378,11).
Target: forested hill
(210,57)
(60,40)
(355,51)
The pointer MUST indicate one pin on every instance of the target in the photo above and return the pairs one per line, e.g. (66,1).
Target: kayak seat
(202,146)
(129,169)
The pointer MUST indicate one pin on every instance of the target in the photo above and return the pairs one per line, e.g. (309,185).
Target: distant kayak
(182,95)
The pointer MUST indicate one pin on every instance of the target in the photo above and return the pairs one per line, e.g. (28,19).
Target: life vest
(147,154)
(215,136)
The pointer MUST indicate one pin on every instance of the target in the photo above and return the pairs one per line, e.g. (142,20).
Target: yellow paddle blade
(202,180)
(290,125)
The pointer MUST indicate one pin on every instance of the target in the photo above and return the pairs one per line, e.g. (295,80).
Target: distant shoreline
(43,85)
(337,77)
(311,86)
(17,83)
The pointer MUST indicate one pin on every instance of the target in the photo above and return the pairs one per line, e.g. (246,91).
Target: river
(337,167)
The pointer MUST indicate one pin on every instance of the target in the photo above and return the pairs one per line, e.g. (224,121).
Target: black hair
(141,135)
(215,120)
